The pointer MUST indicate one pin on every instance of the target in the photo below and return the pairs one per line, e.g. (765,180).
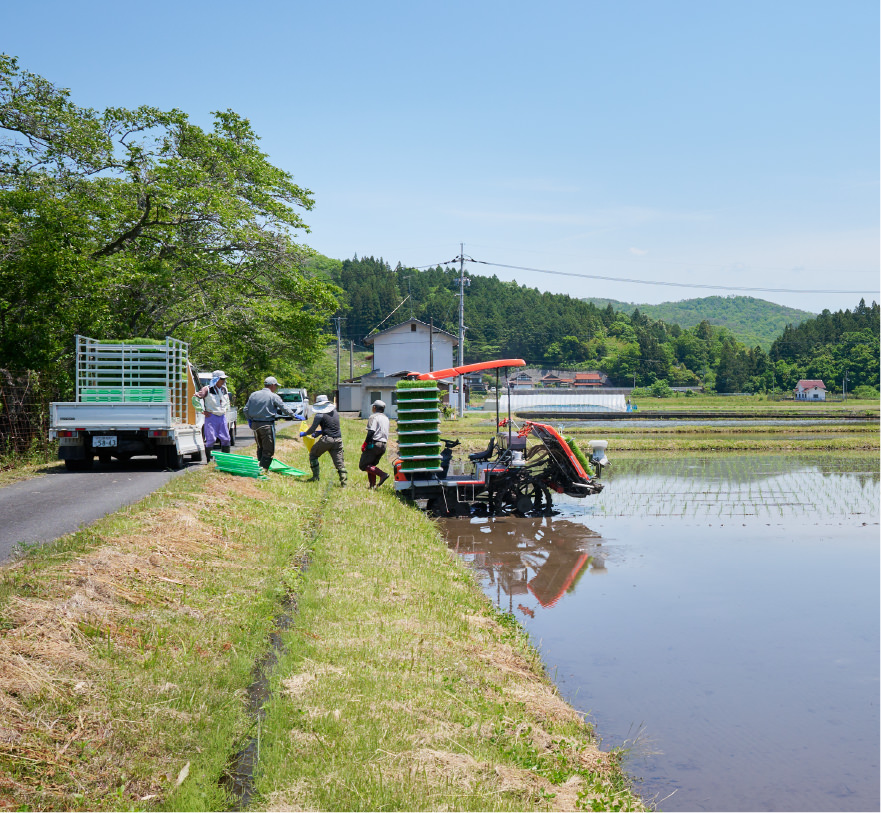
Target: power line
(670,284)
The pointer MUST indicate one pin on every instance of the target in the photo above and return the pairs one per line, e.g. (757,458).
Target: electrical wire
(671,284)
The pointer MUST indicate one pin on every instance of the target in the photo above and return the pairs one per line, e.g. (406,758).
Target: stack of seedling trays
(419,443)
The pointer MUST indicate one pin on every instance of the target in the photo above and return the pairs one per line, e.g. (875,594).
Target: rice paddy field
(715,614)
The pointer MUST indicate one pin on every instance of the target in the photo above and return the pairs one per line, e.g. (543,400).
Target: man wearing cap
(373,447)
(326,427)
(262,409)
(215,403)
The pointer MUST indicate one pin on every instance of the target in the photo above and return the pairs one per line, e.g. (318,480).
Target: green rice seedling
(416,385)
(424,437)
(578,454)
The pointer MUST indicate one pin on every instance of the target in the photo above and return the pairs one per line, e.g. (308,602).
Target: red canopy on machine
(451,372)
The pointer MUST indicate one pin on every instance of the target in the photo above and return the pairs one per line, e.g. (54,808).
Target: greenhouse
(559,401)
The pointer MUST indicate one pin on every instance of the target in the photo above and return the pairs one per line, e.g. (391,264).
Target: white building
(810,390)
(407,347)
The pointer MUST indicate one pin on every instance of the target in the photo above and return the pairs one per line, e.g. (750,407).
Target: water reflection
(530,559)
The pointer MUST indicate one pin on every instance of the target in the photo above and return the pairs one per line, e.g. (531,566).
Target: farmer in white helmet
(215,401)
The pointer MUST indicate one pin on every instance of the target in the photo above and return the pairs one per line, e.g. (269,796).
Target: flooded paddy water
(717,616)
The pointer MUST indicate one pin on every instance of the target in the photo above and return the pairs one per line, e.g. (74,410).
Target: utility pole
(431,344)
(338,320)
(351,358)
(844,385)
(461,407)
(409,296)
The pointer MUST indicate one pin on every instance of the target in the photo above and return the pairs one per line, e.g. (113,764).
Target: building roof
(370,339)
(809,383)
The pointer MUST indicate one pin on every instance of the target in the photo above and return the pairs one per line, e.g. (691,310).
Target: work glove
(364,446)
(302,434)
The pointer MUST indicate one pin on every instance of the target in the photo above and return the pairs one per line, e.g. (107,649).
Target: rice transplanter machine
(509,476)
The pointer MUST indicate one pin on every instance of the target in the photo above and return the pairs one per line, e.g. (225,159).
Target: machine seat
(485,454)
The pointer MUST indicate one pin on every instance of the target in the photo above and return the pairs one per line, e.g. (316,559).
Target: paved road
(43,508)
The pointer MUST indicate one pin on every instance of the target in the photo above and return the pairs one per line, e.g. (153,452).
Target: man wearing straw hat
(326,426)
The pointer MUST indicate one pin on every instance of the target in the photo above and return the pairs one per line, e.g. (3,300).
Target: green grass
(128,647)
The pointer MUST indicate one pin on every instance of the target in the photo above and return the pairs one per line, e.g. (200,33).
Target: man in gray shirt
(261,410)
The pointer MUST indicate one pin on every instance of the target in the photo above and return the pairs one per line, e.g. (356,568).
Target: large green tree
(127,223)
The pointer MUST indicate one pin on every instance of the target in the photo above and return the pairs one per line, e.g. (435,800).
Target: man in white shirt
(373,447)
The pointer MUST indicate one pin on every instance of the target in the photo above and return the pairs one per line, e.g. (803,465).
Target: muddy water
(717,616)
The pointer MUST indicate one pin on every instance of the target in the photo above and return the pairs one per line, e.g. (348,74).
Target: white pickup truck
(131,399)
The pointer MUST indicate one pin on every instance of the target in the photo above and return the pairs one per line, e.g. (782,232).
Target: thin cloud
(639,252)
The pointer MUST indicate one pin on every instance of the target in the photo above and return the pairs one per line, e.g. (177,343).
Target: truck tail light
(70,433)
(157,433)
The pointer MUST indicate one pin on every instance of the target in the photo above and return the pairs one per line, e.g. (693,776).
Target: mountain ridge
(755,322)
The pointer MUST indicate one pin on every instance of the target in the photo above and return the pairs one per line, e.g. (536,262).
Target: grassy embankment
(126,651)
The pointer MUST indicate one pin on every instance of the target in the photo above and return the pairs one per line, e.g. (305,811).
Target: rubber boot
(316,471)
(382,477)
(343,477)
(371,477)
(224,449)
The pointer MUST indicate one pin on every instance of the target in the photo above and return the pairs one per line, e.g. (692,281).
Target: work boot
(316,471)
(207,455)
(224,449)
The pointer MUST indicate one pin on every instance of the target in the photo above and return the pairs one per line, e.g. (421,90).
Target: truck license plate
(103,440)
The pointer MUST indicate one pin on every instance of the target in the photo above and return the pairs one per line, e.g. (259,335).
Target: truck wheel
(78,465)
(232,435)
(170,459)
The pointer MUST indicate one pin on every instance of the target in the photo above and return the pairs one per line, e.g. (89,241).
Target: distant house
(474,382)
(551,380)
(588,380)
(523,381)
(810,390)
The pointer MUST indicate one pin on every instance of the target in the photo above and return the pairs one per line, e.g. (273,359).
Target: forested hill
(507,320)
(751,321)
(833,343)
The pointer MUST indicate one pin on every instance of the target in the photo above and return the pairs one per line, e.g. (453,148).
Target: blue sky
(700,142)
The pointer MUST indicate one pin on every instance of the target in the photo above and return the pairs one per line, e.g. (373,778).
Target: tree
(128,223)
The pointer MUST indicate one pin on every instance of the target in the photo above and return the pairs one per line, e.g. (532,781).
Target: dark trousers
(369,462)
(264,434)
(334,447)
